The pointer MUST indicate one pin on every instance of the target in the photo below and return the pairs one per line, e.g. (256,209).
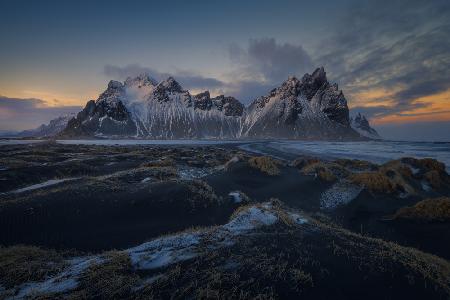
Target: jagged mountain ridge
(362,126)
(140,107)
(54,127)
(310,108)
(306,108)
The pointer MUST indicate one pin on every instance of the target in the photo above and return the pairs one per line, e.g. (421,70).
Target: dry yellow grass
(374,181)
(304,161)
(112,279)
(159,163)
(265,164)
(356,164)
(398,167)
(391,176)
(327,171)
(434,179)
(326,175)
(201,195)
(435,209)
(20,264)
(431,164)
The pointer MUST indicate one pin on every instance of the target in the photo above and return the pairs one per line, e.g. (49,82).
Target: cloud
(21,114)
(261,65)
(188,79)
(121,73)
(399,44)
(383,110)
(266,60)
(243,89)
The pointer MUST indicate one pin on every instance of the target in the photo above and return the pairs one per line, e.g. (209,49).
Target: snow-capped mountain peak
(141,107)
(306,108)
(362,126)
(140,81)
(312,83)
(114,85)
(171,85)
(55,126)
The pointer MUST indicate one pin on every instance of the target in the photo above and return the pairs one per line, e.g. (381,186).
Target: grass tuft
(434,179)
(327,171)
(111,279)
(201,195)
(20,264)
(265,164)
(373,181)
(429,210)
(356,164)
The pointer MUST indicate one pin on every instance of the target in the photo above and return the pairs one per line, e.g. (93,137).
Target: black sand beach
(89,200)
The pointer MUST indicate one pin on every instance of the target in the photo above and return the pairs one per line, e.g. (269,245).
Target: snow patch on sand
(297,218)
(43,185)
(146,179)
(250,219)
(340,193)
(164,251)
(193,173)
(425,186)
(236,196)
(63,282)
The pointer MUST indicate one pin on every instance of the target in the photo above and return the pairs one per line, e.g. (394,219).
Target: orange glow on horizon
(437,108)
(51,99)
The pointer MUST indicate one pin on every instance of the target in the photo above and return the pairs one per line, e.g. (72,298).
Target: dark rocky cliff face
(106,116)
(229,105)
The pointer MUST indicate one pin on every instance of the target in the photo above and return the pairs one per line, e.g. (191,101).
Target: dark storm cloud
(389,44)
(272,61)
(263,64)
(17,113)
(188,80)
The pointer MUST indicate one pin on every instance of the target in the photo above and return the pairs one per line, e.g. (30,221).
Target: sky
(390,58)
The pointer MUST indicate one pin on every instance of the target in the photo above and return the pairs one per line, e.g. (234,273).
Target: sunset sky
(391,58)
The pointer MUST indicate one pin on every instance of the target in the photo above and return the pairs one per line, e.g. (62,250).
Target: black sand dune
(118,197)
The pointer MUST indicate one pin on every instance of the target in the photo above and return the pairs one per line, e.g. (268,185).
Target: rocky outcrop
(53,128)
(310,108)
(362,126)
(107,116)
(229,105)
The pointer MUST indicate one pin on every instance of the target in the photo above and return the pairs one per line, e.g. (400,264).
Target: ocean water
(125,142)
(18,142)
(374,151)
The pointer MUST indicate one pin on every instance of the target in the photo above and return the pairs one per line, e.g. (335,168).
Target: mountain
(300,109)
(310,108)
(53,128)
(141,107)
(362,126)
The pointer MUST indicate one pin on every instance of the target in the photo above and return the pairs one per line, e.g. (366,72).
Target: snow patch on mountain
(362,126)
(54,127)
